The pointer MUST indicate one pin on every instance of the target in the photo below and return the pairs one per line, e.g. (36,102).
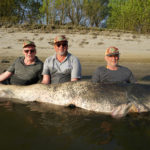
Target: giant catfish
(114,99)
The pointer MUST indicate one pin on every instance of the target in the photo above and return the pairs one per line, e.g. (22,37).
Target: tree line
(133,15)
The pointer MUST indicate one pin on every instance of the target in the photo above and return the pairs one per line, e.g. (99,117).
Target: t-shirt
(122,74)
(62,71)
(25,74)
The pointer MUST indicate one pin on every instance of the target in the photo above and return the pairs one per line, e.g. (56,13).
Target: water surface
(36,126)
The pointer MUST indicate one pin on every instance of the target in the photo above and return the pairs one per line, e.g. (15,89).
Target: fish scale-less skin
(116,99)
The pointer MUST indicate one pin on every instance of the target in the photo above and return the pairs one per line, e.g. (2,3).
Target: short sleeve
(96,76)
(76,68)
(12,67)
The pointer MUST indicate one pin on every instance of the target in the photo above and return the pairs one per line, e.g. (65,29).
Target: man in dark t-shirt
(25,70)
(113,72)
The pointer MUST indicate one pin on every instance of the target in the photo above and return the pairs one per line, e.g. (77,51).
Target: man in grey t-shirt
(26,69)
(62,66)
(113,72)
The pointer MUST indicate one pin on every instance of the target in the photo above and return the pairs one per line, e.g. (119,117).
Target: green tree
(95,11)
(131,15)
(75,11)
(32,11)
(44,10)
(7,11)
(61,10)
(19,11)
(48,11)
(70,10)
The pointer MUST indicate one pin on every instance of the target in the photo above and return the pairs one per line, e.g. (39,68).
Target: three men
(113,72)
(62,67)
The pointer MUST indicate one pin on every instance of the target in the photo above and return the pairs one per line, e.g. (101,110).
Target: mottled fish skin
(114,99)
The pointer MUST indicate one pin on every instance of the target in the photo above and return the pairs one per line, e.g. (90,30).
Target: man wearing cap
(113,72)
(25,70)
(62,66)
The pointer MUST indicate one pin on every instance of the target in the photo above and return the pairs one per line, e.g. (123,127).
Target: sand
(88,46)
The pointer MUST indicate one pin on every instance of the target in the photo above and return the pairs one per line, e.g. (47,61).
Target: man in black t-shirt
(113,72)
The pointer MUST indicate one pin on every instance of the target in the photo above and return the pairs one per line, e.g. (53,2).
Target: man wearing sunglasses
(25,70)
(62,66)
(113,72)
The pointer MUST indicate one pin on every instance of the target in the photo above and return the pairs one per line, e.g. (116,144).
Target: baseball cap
(112,51)
(60,38)
(28,43)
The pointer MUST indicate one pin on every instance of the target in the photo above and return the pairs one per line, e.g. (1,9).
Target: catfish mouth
(71,106)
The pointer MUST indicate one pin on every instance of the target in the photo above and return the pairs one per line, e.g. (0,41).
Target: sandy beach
(88,46)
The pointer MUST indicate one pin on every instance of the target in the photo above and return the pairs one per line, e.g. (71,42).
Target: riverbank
(89,47)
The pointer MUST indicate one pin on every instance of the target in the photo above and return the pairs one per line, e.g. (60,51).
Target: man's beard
(62,53)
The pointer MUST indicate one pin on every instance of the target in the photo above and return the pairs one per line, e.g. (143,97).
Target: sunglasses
(63,44)
(31,51)
(117,55)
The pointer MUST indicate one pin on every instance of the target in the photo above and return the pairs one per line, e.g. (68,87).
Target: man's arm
(46,79)
(74,79)
(5,75)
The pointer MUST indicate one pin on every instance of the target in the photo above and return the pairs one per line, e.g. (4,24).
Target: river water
(36,126)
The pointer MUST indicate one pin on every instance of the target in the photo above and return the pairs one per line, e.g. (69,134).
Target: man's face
(112,60)
(61,48)
(29,52)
